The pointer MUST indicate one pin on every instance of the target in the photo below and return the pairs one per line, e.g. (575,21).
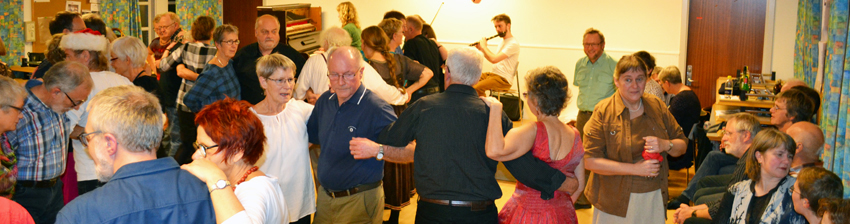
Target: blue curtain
(123,15)
(188,10)
(836,94)
(808,35)
(12,30)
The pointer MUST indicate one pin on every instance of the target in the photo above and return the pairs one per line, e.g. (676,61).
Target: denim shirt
(154,191)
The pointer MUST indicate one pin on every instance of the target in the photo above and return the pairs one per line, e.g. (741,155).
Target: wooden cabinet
(724,103)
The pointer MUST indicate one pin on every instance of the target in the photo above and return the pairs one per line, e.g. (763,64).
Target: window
(145,17)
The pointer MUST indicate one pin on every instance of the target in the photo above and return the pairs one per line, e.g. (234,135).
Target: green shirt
(355,35)
(595,81)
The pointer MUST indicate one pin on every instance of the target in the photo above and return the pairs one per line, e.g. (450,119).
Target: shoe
(582,206)
(674,204)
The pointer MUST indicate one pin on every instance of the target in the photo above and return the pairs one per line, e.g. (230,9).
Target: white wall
(784,35)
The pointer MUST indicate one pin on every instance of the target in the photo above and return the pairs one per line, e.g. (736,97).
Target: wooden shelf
(762,120)
(749,103)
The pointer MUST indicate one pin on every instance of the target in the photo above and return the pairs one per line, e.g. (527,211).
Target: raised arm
(490,56)
(225,203)
(426,75)
(387,92)
(499,147)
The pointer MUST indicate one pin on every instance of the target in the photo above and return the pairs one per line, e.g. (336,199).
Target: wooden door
(723,36)
(242,14)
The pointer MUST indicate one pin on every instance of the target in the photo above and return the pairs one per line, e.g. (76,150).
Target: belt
(585,112)
(353,190)
(475,205)
(428,90)
(38,184)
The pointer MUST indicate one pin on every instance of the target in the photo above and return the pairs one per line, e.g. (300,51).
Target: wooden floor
(677,185)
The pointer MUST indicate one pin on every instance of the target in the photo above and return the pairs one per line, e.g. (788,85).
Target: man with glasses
(351,190)
(504,60)
(738,134)
(267,31)
(41,139)
(89,48)
(791,106)
(169,37)
(123,134)
(594,76)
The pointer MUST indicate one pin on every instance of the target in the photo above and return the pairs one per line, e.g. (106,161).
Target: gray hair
(131,114)
(267,65)
(11,92)
(353,52)
(67,76)
(465,65)
(671,74)
(132,48)
(218,32)
(257,22)
(745,122)
(172,15)
(334,37)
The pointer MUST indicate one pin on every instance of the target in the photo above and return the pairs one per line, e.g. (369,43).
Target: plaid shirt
(40,141)
(195,56)
(214,84)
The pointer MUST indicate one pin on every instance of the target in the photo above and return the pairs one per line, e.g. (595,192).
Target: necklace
(219,61)
(639,106)
(246,175)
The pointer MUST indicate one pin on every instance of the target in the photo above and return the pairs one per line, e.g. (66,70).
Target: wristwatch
(220,184)
(380,155)
(671,146)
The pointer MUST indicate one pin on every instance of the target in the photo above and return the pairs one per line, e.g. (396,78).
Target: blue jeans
(715,163)
(171,136)
(43,204)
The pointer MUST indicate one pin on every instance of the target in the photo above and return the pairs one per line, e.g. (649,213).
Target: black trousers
(427,213)
(88,185)
(188,134)
(43,204)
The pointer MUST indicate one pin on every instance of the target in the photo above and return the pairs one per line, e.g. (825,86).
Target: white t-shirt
(286,156)
(83,164)
(263,202)
(506,67)
(314,75)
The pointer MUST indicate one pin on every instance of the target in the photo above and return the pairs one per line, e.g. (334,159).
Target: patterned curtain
(836,94)
(123,15)
(12,31)
(808,35)
(188,10)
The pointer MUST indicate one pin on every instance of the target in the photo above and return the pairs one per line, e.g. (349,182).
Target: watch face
(380,156)
(221,184)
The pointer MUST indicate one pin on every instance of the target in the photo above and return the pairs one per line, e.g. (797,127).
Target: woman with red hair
(230,141)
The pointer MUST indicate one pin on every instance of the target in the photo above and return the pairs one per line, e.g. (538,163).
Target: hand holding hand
(363,148)
(205,170)
(647,168)
(684,212)
(655,145)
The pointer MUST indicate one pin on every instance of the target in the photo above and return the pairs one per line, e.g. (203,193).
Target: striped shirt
(195,56)
(40,141)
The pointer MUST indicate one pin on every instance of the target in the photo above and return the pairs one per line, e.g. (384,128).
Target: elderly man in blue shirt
(41,138)
(351,190)
(122,134)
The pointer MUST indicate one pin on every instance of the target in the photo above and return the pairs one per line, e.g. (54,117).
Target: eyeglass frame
(72,100)
(229,42)
(282,81)
(592,44)
(202,148)
(19,109)
(84,137)
(348,75)
(155,28)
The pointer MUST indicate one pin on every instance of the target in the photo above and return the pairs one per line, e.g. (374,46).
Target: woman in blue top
(216,82)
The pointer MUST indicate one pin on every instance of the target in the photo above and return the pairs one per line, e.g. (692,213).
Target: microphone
(494,36)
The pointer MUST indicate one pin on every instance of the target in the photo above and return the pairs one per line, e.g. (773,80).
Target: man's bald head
(792,83)
(809,136)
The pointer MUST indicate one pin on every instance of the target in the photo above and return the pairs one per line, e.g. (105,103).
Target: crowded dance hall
(329,112)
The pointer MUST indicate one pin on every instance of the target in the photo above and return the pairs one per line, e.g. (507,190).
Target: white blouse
(287,157)
(263,202)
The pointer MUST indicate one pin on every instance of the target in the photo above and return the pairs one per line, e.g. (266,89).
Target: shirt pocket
(614,136)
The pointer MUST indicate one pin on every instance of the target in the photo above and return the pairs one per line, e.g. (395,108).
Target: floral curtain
(808,35)
(123,15)
(836,94)
(12,31)
(188,10)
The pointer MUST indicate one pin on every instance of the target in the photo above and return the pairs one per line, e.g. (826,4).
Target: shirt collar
(601,56)
(621,108)
(361,90)
(463,89)
(145,167)
(34,103)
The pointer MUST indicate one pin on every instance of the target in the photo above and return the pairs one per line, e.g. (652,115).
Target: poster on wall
(73,6)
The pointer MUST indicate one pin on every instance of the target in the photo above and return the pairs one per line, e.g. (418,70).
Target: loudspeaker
(512,106)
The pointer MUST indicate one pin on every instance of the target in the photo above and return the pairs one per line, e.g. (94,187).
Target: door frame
(767,52)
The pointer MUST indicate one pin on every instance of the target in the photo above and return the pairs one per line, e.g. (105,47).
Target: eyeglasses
(72,100)
(347,76)
(163,27)
(203,148)
(14,107)
(592,44)
(776,107)
(113,59)
(84,137)
(282,81)
(231,42)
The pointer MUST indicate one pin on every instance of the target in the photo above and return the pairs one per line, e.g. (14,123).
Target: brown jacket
(607,136)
